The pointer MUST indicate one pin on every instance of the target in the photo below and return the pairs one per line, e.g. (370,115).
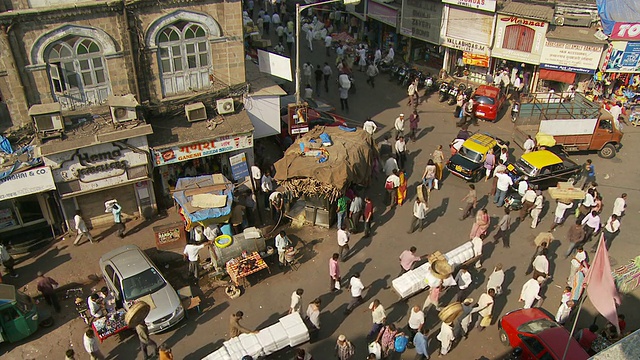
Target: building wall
(47,21)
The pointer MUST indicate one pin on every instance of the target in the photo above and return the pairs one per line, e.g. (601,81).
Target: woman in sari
(386,338)
(402,189)
(481,224)
(577,282)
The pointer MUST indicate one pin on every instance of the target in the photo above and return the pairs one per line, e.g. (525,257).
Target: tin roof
(128,100)
(571,33)
(528,10)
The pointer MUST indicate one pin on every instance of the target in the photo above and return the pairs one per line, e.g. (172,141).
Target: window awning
(555,75)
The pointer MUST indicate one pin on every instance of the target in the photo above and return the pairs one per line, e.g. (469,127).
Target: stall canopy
(612,11)
(349,160)
(204,199)
(560,76)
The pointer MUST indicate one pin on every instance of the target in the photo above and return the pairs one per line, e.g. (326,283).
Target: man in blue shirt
(116,210)
(422,344)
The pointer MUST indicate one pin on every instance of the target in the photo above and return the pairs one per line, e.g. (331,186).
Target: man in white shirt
(530,291)
(266,185)
(615,111)
(620,205)
(391,185)
(541,265)
(356,288)
(528,201)
(538,203)
(95,309)
(328,41)
(416,321)
(377,56)
(561,208)
(91,345)
(529,145)
(390,165)
(191,253)
(502,186)
(378,316)
(296,300)
(343,242)
(369,126)
(484,309)
(419,213)
(267,22)
(399,126)
(591,225)
(211,232)
(401,151)
(463,279)
(611,230)
(275,19)
(81,228)
(282,242)
(523,185)
(355,212)
(256,176)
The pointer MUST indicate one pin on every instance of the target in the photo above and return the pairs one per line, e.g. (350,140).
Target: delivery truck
(574,122)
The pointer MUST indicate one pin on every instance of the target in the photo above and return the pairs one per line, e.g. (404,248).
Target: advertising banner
(220,145)
(32,181)
(626,31)
(475,59)
(487,5)
(623,57)
(568,56)
(470,36)
(422,19)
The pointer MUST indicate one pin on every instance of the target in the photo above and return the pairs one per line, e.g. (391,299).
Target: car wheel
(608,151)
(47,322)
(478,176)
(503,337)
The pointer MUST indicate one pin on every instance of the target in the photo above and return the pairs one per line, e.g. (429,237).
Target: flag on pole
(601,288)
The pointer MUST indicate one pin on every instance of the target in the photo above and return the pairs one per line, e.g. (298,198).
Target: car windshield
(24,302)
(537,326)
(144,283)
(474,156)
(526,168)
(484,100)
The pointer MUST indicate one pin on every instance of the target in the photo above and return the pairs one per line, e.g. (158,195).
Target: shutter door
(92,205)
(469,25)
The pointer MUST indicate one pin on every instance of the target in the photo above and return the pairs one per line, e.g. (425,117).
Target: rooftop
(528,10)
(580,34)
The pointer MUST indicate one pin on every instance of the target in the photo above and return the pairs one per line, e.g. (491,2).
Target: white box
(279,335)
(297,334)
(234,347)
(266,341)
(220,354)
(291,320)
(251,345)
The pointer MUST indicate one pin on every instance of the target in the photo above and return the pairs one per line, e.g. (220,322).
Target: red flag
(601,288)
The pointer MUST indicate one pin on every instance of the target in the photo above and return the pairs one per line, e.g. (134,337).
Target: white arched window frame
(184,57)
(78,72)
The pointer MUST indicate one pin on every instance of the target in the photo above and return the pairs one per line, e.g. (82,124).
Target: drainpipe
(133,60)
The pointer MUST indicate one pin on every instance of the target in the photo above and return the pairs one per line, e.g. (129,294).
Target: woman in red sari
(402,189)
(481,224)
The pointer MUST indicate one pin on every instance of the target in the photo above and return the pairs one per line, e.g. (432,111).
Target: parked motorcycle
(443,94)
(515,110)
(402,73)
(453,93)
(385,66)
(428,83)
(393,71)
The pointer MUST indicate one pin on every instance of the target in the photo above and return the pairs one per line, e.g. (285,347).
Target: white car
(132,276)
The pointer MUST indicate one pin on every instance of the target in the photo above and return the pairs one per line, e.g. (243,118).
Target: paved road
(376,258)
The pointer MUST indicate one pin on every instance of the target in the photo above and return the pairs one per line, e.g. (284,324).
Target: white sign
(509,37)
(422,19)
(566,55)
(487,5)
(469,36)
(28,182)
(274,64)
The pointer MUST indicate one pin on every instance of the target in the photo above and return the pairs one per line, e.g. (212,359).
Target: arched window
(78,72)
(184,57)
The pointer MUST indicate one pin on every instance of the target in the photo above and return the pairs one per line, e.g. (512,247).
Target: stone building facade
(79,52)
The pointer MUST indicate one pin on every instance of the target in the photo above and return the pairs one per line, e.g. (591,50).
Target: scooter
(513,201)
(443,94)
(515,110)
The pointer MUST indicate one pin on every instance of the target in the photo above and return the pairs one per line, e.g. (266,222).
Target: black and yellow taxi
(545,168)
(468,162)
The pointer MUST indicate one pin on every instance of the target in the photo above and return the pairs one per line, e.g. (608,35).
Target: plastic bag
(376,349)
(436,185)
(400,344)
(336,285)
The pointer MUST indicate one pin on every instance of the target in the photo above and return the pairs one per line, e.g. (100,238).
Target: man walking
(378,316)
(484,309)
(591,225)
(611,230)
(620,205)
(372,71)
(345,85)
(575,235)
(81,228)
(296,301)
(463,279)
(145,341)
(503,229)
(334,272)
(419,213)
(399,126)
(416,321)
(369,126)
(538,204)
(7,261)
(401,152)
(355,213)
(91,345)
(590,169)
(391,185)
(326,72)
(116,210)
(368,213)
(421,343)
(356,287)
(502,186)
(471,200)
(343,242)
(47,287)
(282,243)
(341,210)
(528,200)
(530,291)
(446,338)
(191,253)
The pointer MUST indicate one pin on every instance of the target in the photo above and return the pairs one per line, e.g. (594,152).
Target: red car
(538,336)
(489,100)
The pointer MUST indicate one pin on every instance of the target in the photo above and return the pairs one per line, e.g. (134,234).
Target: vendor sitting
(95,308)
(108,299)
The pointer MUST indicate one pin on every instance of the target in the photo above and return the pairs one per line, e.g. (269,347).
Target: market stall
(205,199)
(110,324)
(248,263)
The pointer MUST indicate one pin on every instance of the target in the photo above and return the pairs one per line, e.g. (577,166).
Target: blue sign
(567,68)
(239,168)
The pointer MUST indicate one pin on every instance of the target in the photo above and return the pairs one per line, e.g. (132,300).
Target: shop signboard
(487,5)
(382,13)
(200,149)
(625,31)
(32,181)
(422,19)
(624,57)
(239,167)
(470,36)
(510,44)
(569,56)
(475,59)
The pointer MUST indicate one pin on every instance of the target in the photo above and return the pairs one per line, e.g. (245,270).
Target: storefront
(564,61)
(89,176)
(420,25)
(519,38)
(28,208)
(622,62)
(203,157)
(383,22)
(468,42)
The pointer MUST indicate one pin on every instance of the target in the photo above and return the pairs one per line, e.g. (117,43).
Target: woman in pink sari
(402,189)
(481,224)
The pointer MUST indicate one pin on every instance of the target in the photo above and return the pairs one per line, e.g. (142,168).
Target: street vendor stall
(110,324)
(246,264)
(325,168)
(204,200)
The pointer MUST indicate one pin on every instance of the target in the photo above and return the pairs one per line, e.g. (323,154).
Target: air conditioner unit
(123,114)
(195,112)
(558,20)
(225,106)
(47,118)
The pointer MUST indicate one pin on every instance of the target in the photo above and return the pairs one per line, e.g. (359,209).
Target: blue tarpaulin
(200,215)
(19,165)
(612,11)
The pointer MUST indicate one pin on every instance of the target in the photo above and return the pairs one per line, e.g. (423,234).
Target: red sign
(521,21)
(626,31)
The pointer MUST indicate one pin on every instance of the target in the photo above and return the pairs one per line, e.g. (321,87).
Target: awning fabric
(555,75)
